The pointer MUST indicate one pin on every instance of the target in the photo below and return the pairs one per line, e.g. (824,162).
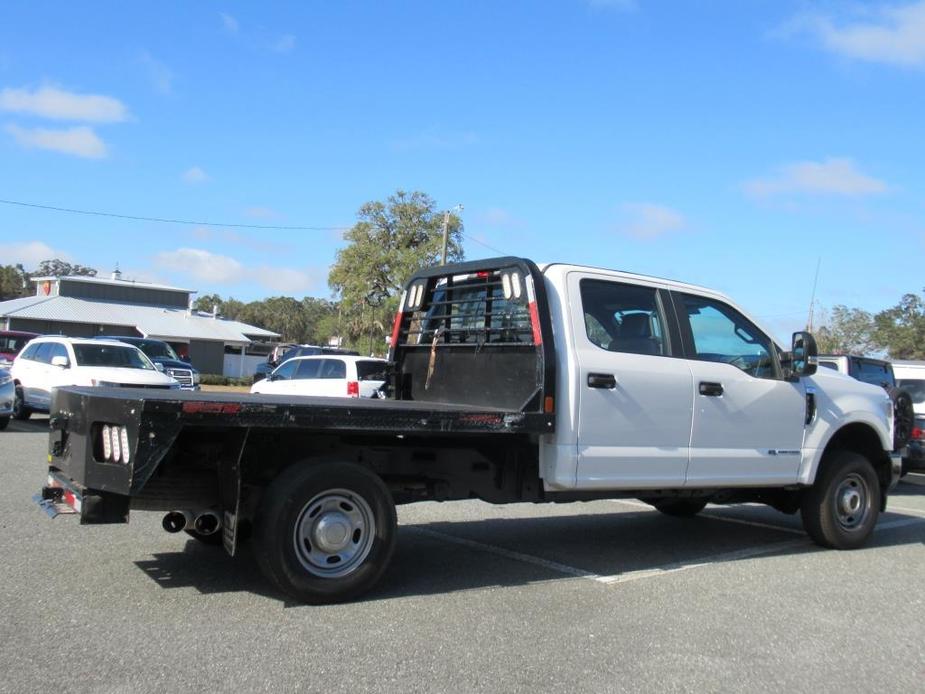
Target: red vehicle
(12,342)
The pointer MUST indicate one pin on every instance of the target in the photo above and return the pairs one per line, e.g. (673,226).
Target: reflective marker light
(107,444)
(123,439)
(116,447)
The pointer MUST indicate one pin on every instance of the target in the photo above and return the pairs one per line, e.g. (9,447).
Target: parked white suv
(49,362)
(341,376)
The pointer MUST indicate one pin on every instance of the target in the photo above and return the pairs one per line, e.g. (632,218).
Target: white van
(910,375)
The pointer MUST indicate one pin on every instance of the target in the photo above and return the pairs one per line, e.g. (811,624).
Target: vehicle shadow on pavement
(446,557)
(33,425)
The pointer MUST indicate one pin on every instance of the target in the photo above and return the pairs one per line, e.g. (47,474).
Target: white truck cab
(665,385)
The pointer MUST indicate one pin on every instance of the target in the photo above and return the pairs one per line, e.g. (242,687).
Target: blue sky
(730,144)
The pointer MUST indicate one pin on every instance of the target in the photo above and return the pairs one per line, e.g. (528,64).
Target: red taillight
(918,433)
(353,389)
(535,323)
(482,274)
(396,326)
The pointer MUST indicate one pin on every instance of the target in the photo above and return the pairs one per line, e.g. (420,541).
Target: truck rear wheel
(841,509)
(325,533)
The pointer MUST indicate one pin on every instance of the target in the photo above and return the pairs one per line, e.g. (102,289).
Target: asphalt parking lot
(594,597)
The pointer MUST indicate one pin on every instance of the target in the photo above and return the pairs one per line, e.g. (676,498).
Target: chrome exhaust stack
(175,521)
(207,523)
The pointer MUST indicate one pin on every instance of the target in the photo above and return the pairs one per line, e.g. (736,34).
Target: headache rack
(475,333)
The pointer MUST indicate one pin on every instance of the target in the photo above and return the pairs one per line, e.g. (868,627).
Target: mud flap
(229,476)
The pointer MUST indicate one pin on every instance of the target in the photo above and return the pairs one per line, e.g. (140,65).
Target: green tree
(389,242)
(901,330)
(207,301)
(14,282)
(60,268)
(846,331)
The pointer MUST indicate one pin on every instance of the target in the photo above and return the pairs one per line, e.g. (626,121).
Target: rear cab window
(916,388)
(622,317)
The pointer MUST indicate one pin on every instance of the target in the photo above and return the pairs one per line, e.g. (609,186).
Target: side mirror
(60,362)
(803,355)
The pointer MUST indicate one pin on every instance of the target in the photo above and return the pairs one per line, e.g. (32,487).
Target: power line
(164,220)
(167,220)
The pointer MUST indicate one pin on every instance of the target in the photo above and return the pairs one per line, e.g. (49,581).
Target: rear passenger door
(748,422)
(634,394)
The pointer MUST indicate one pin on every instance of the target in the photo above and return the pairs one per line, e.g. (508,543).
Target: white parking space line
(613,579)
(911,511)
(745,553)
(509,554)
(655,572)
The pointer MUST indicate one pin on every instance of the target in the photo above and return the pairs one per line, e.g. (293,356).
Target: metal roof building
(89,306)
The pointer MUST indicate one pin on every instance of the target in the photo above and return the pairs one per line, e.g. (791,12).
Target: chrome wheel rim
(852,502)
(334,533)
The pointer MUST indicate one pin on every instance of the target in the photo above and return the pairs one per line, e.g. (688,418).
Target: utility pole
(446,230)
(812,300)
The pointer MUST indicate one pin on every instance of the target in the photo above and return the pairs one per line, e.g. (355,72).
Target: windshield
(157,349)
(11,344)
(109,355)
(916,388)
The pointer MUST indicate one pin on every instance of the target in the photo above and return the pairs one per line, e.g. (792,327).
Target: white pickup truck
(508,382)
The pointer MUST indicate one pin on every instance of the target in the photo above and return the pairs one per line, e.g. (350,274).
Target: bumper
(63,496)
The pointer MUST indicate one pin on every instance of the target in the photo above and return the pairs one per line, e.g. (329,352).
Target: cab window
(623,317)
(722,334)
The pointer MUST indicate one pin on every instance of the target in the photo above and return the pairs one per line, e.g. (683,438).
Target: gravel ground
(595,597)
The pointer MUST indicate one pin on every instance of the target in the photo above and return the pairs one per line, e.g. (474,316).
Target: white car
(49,362)
(329,376)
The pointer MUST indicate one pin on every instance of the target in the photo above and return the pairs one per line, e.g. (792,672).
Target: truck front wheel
(325,533)
(841,509)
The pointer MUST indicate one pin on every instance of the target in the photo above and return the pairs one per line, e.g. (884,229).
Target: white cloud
(80,141)
(892,34)
(159,74)
(30,253)
(833,176)
(434,139)
(229,23)
(212,268)
(194,175)
(200,264)
(646,220)
(284,280)
(58,104)
(285,44)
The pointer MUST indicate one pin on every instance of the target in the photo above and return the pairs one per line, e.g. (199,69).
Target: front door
(748,421)
(634,395)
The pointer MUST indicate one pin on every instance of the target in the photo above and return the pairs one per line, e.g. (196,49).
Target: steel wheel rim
(334,533)
(852,501)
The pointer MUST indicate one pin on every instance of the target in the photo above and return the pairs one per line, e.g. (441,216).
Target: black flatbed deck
(308,412)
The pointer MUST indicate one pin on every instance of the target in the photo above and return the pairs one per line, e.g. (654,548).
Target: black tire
(360,523)
(20,410)
(213,540)
(903,417)
(4,423)
(841,509)
(680,508)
